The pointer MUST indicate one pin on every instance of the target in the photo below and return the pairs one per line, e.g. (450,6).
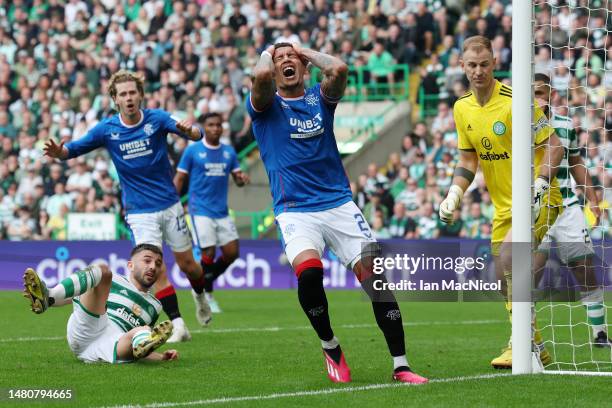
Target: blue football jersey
(209,168)
(298,147)
(140,154)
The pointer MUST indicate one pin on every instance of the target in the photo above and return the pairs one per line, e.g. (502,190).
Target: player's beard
(139,276)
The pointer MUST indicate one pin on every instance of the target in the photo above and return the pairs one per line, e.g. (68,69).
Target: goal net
(573,48)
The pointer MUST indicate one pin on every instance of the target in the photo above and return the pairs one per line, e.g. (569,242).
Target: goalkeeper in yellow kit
(483,118)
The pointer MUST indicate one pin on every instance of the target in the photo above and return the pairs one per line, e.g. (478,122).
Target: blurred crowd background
(56,57)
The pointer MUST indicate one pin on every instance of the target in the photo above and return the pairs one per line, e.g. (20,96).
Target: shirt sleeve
(541,128)
(463,142)
(185,163)
(92,140)
(254,113)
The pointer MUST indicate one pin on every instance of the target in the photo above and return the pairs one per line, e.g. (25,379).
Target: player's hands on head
(170,355)
(270,50)
(53,149)
(300,52)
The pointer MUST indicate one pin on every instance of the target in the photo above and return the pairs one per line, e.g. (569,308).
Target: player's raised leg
(140,342)
(165,293)
(77,284)
(177,236)
(188,264)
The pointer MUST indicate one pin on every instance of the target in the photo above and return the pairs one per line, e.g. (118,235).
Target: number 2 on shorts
(363,225)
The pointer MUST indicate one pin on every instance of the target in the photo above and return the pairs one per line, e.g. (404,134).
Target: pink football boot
(337,372)
(409,377)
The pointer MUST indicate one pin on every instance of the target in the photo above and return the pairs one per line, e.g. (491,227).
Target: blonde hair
(477,43)
(124,76)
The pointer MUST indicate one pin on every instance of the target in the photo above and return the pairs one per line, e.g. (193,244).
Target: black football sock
(207,266)
(387,314)
(169,301)
(313,300)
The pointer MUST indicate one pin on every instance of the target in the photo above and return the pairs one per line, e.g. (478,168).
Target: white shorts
(92,338)
(167,226)
(569,236)
(344,229)
(212,232)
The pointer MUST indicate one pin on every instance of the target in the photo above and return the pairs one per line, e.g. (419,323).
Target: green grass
(235,359)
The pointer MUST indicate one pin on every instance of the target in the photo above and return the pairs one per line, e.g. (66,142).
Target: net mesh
(573,47)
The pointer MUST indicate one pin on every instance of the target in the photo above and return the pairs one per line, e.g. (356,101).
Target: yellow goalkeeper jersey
(487,130)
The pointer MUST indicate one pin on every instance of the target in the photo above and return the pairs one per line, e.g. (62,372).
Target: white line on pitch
(225,400)
(277,329)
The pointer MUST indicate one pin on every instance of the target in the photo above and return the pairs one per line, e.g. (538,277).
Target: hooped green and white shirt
(567,135)
(127,307)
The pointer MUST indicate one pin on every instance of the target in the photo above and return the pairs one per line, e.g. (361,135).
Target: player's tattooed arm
(335,71)
(262,92)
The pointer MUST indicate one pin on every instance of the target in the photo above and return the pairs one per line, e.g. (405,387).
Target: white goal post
(522,146)
(572,330)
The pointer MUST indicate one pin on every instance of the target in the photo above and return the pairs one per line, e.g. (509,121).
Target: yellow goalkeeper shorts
(548,215)
(499,231)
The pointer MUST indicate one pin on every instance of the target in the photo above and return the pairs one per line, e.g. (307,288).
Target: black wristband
(465,173)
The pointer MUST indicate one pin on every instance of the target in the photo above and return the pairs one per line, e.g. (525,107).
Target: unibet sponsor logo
(488,156)
(499,128)
(130,318)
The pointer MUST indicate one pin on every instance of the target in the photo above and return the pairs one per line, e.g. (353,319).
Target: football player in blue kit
(312,198)
(136,141)
(206,166)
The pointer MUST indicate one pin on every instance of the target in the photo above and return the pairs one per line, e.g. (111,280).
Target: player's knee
(310,271)
(189,266)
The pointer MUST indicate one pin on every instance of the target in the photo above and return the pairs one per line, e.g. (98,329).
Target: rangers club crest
(148,129)
(312,99)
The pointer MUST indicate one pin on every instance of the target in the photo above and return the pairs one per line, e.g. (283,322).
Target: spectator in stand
(380,65)
(443,122)
(373,207)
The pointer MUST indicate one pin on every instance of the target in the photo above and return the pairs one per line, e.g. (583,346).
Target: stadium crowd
(56,57)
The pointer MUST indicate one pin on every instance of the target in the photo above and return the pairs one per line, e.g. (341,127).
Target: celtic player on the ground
(111,315)
(484,126)
(569,235)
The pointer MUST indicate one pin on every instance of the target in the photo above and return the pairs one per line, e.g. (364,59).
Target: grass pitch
(261,352)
